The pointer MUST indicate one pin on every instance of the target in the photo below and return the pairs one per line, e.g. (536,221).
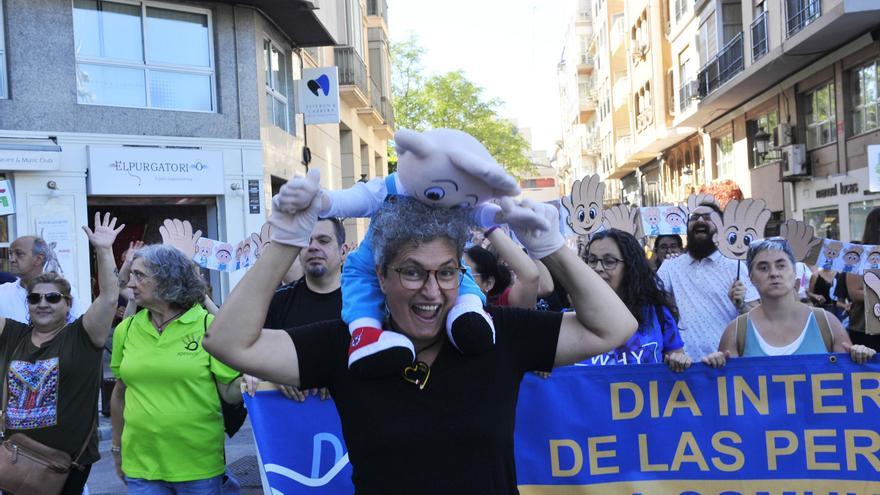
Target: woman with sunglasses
(64,359)
(444,425)
(618,258)
(782,325)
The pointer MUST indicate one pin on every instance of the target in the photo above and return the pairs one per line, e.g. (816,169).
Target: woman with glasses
(166,413)
(618,259)
(782,325)
(444,425)
(52,369)
(515,286)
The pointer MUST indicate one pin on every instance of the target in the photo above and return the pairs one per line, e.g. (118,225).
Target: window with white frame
(3,92)
(865,98)
(820,116)
(144,54)
(277,85)
(724,156)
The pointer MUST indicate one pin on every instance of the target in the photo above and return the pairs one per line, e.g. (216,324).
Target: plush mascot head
(447,168)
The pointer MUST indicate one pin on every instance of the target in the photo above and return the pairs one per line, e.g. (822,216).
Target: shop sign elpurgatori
(123,171)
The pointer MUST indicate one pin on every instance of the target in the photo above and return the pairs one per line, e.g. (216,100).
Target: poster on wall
(7,205)
(58,233)
(873,151)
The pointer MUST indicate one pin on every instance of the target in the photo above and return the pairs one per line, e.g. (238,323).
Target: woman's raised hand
(105,231)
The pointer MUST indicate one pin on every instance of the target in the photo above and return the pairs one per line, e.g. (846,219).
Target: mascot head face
(446,168)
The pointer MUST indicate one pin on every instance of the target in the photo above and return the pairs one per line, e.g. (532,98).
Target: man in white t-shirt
(27,256)
(707,290)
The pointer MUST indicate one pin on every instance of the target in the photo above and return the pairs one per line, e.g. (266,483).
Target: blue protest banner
(759,426)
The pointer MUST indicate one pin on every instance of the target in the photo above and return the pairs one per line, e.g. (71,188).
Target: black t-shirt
(295,305)
(455,435)
(53,389)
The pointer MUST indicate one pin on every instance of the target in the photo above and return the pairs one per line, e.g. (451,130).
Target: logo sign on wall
(119,171)
(7,206)
(29,160)
(319,95)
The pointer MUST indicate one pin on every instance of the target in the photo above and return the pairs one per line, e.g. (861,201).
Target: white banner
(7,205)
(29,160)
(319,95)
(120,171)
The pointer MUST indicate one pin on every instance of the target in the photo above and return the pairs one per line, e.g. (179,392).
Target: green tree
(451,100)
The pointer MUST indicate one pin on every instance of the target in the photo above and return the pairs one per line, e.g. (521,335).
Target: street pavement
(241,460)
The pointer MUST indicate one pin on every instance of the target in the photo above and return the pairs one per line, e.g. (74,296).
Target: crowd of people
(178,358)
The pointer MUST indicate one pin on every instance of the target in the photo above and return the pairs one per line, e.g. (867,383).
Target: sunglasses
(50,297)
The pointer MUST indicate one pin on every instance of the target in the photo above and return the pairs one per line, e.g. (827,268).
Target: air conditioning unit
(794,157)
(783,134)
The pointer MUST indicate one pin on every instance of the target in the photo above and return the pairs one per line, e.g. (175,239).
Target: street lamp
(762,144)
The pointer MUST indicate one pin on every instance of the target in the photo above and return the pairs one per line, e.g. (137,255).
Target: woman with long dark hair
(618,258)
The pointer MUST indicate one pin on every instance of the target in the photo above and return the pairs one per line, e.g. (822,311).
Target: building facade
(154,109)
(771,99)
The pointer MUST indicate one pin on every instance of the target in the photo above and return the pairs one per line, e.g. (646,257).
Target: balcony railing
(801,13)
(759,36)
(722,68)
(686,95)
(378,8)
(352,70)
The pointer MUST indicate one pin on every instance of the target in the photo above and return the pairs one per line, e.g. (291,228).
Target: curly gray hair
(401,220)
(177,281)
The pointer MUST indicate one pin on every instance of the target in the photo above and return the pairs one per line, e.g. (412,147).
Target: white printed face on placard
(852,258)
(829,257)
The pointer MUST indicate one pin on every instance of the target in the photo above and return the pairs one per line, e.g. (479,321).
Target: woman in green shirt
(166,416)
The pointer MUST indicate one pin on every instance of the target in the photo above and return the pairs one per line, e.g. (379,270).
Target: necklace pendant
(417,374)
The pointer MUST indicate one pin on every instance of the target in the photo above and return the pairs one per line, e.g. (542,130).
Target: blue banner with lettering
(789,425)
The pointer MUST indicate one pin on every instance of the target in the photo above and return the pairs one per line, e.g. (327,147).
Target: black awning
(297,18)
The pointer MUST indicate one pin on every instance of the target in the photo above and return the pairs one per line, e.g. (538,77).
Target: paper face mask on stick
(872,302)
(744,221)
(584,205)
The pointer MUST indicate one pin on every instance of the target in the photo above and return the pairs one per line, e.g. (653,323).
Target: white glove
(295,229)
(540,243)
(297,194)
(521,217)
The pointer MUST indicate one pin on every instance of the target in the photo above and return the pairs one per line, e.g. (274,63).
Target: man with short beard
(317,296)
(705,286)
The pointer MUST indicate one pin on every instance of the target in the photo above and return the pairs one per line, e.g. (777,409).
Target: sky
(508,47)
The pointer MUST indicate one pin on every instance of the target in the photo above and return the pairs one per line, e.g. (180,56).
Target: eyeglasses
(608,263)
(50,297)
(696,217)
(414,277)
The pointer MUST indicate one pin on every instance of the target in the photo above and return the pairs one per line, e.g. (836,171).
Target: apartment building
(356,149)
(182,109)
(785,95)
(578,150)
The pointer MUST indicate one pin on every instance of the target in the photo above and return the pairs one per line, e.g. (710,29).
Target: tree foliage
(451,100)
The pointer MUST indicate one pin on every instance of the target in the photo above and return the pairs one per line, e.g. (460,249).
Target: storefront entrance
(142,217)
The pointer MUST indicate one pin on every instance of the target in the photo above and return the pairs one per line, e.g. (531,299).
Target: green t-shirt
(173,422)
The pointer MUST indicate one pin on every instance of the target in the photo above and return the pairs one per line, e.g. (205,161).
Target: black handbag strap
(85,445)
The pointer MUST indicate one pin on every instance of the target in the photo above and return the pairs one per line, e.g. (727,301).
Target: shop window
(865,98)
(277,70)
(144,55)
(820,116)
(4,239)
(825,222)
(724,156)
(858,213)
(3,92)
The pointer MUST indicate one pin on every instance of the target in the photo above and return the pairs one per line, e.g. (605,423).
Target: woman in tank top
(781,325)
